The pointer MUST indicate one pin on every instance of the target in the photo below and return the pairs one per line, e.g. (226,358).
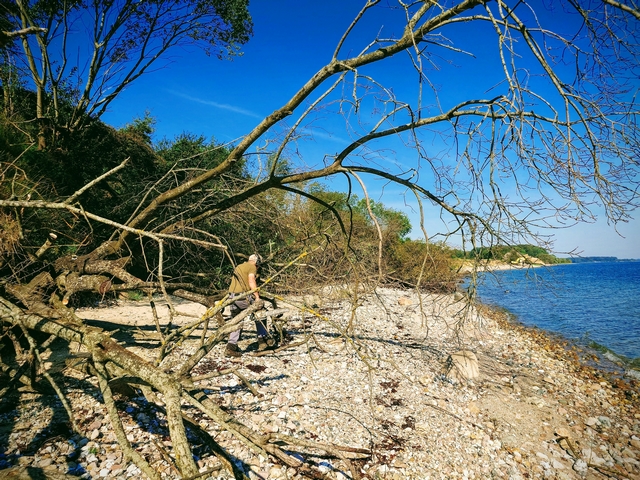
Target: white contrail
(222,106)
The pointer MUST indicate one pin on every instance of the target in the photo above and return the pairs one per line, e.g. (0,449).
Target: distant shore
(495,265)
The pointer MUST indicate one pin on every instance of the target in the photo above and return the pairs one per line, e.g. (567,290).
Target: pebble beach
(535,409)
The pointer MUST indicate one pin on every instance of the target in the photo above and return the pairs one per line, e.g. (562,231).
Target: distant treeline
(509,254)
(593,259)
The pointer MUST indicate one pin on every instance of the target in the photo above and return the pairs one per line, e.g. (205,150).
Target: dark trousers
(236,308)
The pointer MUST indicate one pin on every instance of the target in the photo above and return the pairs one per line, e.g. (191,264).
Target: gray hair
(255,258)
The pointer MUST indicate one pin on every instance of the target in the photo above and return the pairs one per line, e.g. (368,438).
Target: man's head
(255,258)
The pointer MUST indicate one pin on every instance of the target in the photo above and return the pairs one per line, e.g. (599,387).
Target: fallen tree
(171,390)
(580,146)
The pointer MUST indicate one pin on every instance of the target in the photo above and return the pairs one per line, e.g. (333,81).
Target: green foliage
(508,254)
(53,175)
(415,262)
(192,154)
(311,225)
(136,295)
(550,259)
(78,158)
(392,222)
(531,250)
(142,128)
(89,153)
(276,166)
(275,223)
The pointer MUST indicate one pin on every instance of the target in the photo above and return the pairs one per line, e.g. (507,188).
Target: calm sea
(583,302)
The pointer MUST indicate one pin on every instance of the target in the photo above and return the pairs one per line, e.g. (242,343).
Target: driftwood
(42,307)
(32,294)
(120,370)
(91,264)
(206,300)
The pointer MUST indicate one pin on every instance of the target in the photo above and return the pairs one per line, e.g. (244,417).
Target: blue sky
(226,99)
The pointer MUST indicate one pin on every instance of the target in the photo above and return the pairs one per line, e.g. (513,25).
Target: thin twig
(93,182)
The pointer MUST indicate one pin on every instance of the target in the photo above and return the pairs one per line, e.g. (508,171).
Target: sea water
(592,304)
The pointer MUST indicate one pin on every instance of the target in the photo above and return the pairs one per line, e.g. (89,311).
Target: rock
(581,467)
(542,456)
(591,457)
(143,418)
(313,301)
(564,476)
(604,421)
(464,431)
(508,441)
(255,475)
(461,366)
(591,422)
(275,472)
(473,409)
(29,473)
(562,432)
(95,425)
(557,465)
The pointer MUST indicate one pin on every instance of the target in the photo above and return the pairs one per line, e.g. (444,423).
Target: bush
(428,265)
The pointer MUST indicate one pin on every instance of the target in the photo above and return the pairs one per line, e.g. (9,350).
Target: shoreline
(519,299)
(596,356)
(494,265)
(589,356)
(534,411)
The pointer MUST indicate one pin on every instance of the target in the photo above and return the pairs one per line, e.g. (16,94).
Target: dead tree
(562,146)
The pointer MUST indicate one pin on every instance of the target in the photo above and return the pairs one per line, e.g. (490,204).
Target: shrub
(428,265)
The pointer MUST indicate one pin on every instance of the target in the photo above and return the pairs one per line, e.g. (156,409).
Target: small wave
(612,356)
(633,374)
